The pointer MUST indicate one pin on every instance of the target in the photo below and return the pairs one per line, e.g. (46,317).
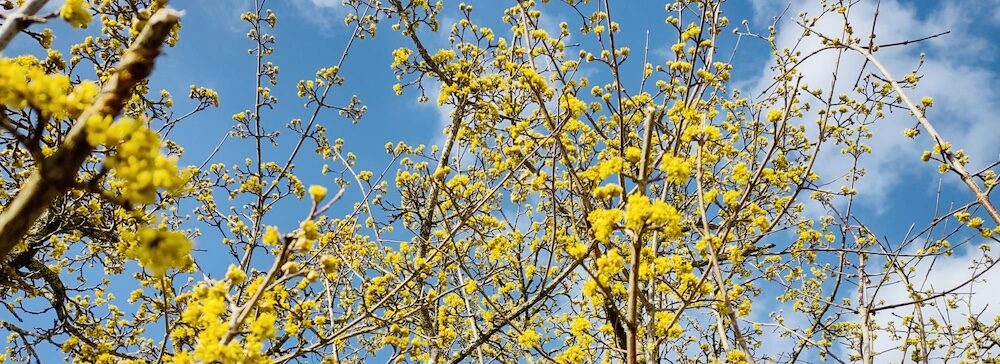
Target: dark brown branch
(905,42)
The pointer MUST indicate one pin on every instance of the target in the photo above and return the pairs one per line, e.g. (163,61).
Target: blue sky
(898,191)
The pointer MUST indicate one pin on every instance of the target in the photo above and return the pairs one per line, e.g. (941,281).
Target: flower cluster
(603,223)
(642,213)
(76,13)
(677,168)
(23,83)
(207,311)
(137,159)
(158,250)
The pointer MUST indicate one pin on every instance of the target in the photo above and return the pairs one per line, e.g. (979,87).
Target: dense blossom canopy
(591,199)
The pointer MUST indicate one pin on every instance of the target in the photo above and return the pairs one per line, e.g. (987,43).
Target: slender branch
(905,42)
(939,294)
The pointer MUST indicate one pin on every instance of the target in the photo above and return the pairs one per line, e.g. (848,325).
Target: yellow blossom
(528,339)
(607,191)
(235,274)
(136,159)
(676,168)
(271,235)
(609,265)
(310,230)
(666,325)
(76,13)
(642,213)
(775,115)
(158,250)
(317,193)
(603,223)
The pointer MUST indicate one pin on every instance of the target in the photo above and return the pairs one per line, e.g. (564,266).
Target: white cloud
(767,10)
(959,74)
(977,299)
(327,3)
(326,14)
(956,73)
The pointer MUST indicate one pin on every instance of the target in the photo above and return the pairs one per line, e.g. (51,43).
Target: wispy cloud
(959,72)
(956,73)
(976,300)
(323,13)
(327,3)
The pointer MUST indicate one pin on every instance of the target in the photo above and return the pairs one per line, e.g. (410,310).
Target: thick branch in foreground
(17,21)
(57,173)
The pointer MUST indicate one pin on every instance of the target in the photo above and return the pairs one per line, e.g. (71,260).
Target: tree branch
(56,174)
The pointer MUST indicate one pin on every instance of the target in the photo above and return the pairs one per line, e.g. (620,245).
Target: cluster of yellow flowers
(76,13)
(641,213)
(580,350)
(158,250)
(205,95)
(529,339)
(774,115)
(677,168)
(604,222)
(400,56)
(606,192)
(137,159)
(667,326)
(317,193)
(609,265)
(207,311)
(271,235)
(533,80)
(23,83)
(605,168)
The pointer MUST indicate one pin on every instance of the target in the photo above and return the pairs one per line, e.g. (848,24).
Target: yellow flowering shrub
(589,198)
